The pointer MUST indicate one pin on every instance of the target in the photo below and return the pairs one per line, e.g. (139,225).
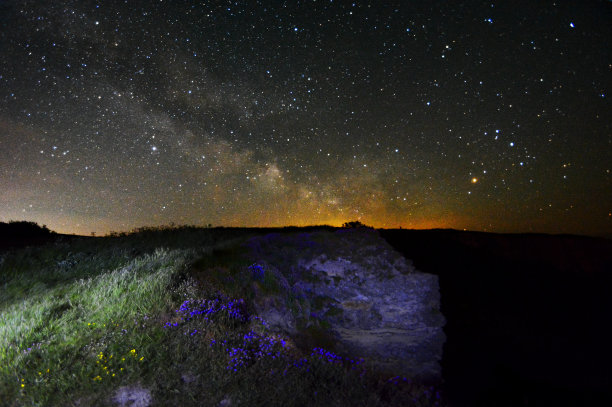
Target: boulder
(367,297)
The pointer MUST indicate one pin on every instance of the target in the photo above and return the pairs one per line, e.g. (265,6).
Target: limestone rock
(132,396)
(375,303)
(274,311)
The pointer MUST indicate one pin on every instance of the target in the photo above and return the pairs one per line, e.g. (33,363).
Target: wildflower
(22,385)
(141,358)
(133,351)
(257,271)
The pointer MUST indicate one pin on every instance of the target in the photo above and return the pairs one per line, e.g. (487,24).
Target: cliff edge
(352,291)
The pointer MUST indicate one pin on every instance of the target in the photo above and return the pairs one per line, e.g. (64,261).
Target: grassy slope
(80,319)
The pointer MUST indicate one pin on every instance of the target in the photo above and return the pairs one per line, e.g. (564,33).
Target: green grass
(81,318)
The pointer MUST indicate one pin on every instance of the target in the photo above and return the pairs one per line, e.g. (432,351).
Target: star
(248,107)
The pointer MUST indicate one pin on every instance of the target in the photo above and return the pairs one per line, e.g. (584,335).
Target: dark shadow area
(527,315)
(16,234)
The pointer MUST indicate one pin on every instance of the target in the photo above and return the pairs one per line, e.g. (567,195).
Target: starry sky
(479,115)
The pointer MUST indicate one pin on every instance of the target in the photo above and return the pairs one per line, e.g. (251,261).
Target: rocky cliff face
(356,293)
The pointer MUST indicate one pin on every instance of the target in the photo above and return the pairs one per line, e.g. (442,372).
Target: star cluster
(485,115)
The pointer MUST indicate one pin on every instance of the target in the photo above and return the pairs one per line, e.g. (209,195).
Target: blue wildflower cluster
(329,357)
(254,347)
(207,308)
(257,271)
(398,380)
(332,358)
(300,364)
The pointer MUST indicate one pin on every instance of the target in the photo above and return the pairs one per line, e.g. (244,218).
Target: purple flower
(330,357)
(257,271)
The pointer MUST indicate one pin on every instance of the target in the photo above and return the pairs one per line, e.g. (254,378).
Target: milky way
(465,114)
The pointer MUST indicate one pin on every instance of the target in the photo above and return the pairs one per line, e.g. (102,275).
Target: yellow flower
(47,370)
(133,351)
(113,375)
(121,370)
(22,385)
(141,358)
(40,373)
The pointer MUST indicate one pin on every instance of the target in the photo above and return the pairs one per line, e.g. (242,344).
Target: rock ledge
(362,293)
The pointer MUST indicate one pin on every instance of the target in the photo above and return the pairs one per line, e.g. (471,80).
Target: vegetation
(19,233)
(355,224)
(167,311)
(17,229)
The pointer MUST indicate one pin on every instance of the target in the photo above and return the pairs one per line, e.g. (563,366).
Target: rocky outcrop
(365,296)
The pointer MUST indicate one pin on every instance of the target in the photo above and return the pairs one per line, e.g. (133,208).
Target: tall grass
(56,328)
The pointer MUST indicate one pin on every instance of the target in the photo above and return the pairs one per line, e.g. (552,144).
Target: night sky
(479,115)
